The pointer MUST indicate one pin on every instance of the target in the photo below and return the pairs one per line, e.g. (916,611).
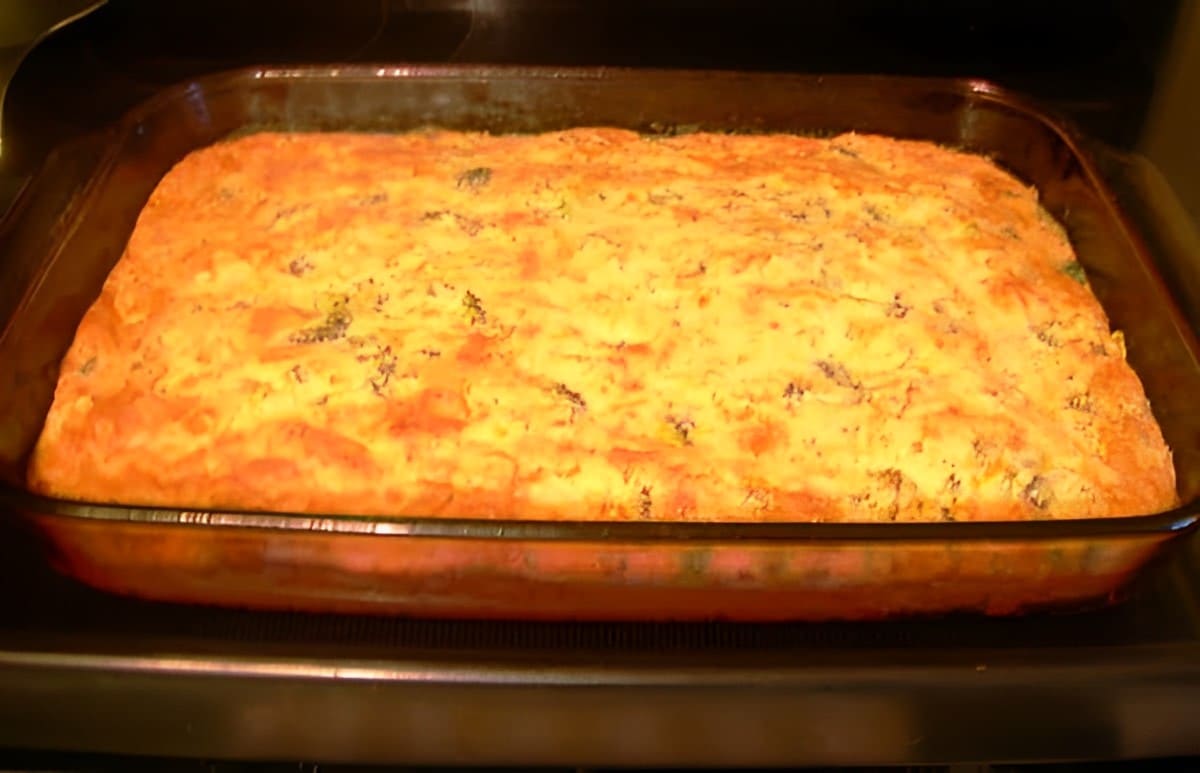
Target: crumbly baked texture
(591,324)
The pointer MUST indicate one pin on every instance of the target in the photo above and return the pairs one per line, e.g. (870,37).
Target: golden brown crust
(595,325)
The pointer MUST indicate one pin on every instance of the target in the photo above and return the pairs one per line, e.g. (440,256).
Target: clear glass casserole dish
(70,226)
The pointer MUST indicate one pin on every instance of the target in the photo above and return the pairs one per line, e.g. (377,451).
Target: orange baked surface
(592,324)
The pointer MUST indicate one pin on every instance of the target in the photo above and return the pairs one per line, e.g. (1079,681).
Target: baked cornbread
(593,324)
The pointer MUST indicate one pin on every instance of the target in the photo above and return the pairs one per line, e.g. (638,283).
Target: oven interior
(83,671)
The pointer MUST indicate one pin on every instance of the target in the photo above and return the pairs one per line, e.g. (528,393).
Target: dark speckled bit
(645,503)
(470,226)
(1081,403)
(683,428)
(793,391)
(475,178)
(372,200)
(474,308)
(384,370)
(897,309)
(300,266)
(574,398)
(333,328)
(837,373)
(1037,493)
(1075,270)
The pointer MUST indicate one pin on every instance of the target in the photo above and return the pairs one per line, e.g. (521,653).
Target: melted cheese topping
(591,324)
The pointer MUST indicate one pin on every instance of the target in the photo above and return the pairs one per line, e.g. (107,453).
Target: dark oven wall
(1099,62)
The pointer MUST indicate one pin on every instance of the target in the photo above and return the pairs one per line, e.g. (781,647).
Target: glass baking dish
(69,227)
